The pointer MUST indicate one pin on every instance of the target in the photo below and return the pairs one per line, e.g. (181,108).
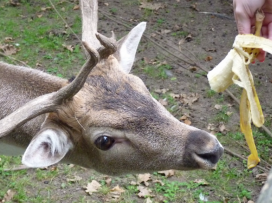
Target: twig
(64,21)
(14,59)
(17,168)
(239,156)
(219,15)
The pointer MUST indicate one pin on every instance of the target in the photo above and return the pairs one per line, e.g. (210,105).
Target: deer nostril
(212,157)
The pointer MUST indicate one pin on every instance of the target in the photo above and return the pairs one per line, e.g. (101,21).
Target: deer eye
(104,142)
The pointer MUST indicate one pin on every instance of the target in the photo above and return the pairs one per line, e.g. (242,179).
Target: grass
(40,41)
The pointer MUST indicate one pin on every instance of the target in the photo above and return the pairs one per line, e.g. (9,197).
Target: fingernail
(262,60)
(253,62)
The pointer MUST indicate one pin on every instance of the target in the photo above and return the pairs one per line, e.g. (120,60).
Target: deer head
(113,124)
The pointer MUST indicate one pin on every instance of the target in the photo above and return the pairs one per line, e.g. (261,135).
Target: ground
(183,40)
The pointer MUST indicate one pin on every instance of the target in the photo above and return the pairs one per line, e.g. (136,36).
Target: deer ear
(47,148)
(127,47)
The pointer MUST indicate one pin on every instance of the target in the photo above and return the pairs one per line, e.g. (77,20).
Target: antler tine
(49,102)
(110,45)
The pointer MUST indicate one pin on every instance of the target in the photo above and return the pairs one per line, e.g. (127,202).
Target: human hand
(244,12)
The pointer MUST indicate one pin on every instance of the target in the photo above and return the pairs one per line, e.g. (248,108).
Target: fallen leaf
(116,192)
(76,7)
(148,200)
(262,177)
(108,181)
(14,3)
(8,49)
(69,47)
(75,179)
(189,99)
(208,58)
(222,127)
(163,102)
(144,191)
(218,106)
(94,186)
(144,178)
(39,15)
(250,201)
(189,38)
(163,32)
(193,68)
(8,196)
(133,183)
(188,122)
(201,182)
(158,181)
(106,4)
(150,6)
(167,173)
(194,7)
(8,39)
(163,91)
(46,8)
(229,113)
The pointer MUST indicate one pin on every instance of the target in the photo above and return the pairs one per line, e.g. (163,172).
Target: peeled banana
(233,69)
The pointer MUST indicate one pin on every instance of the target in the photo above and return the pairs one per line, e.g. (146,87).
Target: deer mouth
(208,160)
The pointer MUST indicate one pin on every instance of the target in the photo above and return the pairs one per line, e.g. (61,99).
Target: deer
(105,119)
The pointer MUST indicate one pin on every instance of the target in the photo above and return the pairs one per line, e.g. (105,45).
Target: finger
(264,32)
(261,56)
(243,23)
(269,31)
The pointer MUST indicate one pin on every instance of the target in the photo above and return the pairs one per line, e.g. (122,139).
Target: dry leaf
(69,47)
(150,6)
(106,4)
(218,106)
(201,182)
(208,58)
(158,181)
(163,102)
(117,190)
(144,191)
(193,6)
(163,91)
(229,113)
(75,179)
(262,177)
(8,39)
(94,186)
(163,32)
(222,128)
(8,196)
(144,178)
(14,2)
(133,183)
(188,122)
(8,49)
(45,8)
(167,173)
(193,68)
(76,7)
(148,200)
(39,15)
(189,99)
(108,181)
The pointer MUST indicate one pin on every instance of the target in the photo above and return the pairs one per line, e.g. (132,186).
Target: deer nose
(214,156)
(204,149)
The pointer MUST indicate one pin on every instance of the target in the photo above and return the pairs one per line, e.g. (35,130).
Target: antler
(49,102)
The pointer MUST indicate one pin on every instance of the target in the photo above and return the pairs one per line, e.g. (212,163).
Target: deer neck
(18,85)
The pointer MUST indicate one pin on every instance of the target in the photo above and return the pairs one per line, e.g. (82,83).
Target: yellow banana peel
(234,69)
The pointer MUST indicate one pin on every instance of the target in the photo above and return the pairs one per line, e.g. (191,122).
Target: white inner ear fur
(129,46)
(47,148)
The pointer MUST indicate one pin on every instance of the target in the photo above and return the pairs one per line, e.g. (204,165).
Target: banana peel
(233,69)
